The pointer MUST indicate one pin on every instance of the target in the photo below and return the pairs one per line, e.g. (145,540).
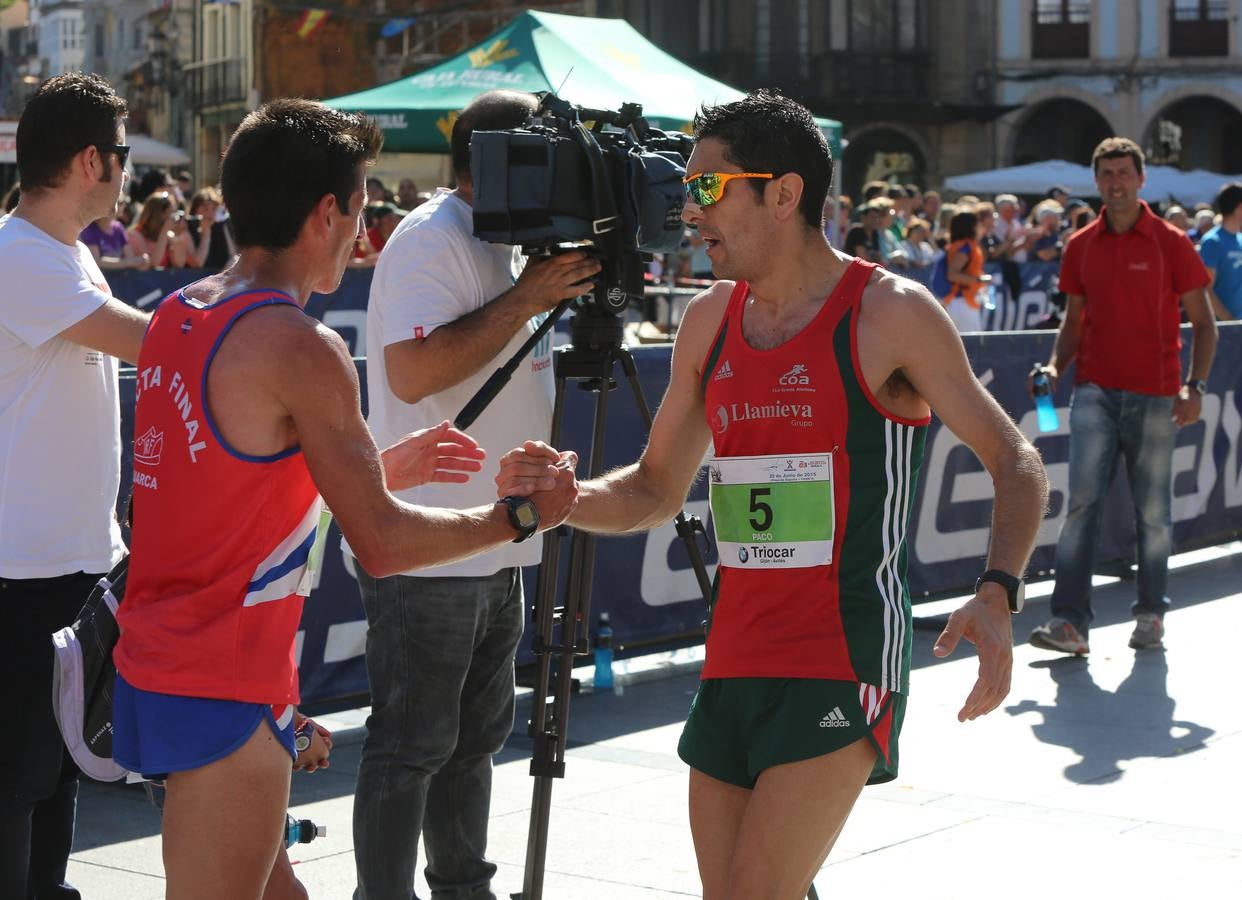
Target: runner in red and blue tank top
(808,377)
(247,411)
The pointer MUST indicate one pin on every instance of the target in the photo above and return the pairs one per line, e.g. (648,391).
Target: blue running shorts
(154,734)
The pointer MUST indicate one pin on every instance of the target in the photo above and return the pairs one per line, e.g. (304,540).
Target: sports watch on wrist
(523,516)
(1014,587)
(1197,384)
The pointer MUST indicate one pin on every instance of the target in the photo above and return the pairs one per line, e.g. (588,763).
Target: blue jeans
(440,662)
(1106,425)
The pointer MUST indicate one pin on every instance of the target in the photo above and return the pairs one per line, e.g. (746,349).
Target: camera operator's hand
(546,281)
(532,467)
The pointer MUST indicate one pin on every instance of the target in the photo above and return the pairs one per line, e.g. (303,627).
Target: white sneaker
(1148,631)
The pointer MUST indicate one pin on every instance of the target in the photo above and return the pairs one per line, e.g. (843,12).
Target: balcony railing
(1202,30)
(216,83)
(845,77)
(1062,32)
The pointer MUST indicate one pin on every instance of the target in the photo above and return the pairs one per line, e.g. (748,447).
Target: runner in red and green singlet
(811,376)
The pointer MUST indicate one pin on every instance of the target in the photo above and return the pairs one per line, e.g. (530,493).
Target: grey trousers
(440,661)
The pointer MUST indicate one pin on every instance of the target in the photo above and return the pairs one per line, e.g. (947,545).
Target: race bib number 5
(773,512)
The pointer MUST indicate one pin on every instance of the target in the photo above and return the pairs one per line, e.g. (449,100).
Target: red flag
(311,20)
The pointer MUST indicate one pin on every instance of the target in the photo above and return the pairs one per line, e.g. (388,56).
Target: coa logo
(742,555)
(720,421)
(795,377)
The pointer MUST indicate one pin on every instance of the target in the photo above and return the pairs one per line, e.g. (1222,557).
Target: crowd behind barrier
(645,582)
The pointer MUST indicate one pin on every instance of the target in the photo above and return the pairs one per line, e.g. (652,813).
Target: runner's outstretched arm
(316,382)
(651,491)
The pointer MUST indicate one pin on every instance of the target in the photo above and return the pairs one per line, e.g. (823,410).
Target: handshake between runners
(544,474)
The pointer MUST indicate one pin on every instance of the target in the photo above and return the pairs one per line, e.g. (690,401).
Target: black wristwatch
(1014,587)
(1197,384)
(523,516)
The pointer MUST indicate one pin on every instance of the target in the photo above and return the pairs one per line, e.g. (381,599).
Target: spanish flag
(311,20)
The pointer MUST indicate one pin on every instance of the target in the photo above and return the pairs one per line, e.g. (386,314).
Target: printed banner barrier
(645,582)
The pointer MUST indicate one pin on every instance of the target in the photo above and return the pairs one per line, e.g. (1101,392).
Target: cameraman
(446,309)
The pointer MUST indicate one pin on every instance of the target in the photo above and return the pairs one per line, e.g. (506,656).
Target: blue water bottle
(301,831)
(1045,410)
(603,653)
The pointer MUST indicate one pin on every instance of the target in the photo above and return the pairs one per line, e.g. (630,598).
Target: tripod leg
(550,703)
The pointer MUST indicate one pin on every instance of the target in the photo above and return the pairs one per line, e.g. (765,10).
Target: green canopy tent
(596,63)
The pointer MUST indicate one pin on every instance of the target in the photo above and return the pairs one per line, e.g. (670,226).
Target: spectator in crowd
(152,181)
(127,211)
(1127,277)
(376,192)
(155,234)
(445,310)
(931,206)
(917,245)
(964,269)
(1009,228)
(1058,195)
(407,194)
(901,210)
(989,243)
(209,230)
(12,196)
(1080,218)
(385,218)
(863,240)
(891,254)
(994,250)
(1176,216)
(916,199)
(61,334)
(1205,221)
(109,245)
(873,189)
(1221,252)
(185,185)
(1044,236)
(940,236)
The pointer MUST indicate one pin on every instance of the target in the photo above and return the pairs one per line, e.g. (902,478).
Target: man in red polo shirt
(1124,277)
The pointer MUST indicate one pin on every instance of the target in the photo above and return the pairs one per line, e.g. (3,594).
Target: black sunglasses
(121,151)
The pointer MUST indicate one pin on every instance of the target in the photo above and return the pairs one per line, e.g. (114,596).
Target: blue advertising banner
(645,582)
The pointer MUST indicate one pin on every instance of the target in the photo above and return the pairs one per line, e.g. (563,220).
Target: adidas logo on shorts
(834,719)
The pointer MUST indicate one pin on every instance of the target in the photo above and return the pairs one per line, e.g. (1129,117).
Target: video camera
(615,187)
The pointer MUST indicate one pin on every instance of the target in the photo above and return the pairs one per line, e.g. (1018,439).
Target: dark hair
(962,226)
(151,181)
(67,114)
(873,189)
(1229,197)
(297,150)
(765,132)
(490,111)
(1116,148)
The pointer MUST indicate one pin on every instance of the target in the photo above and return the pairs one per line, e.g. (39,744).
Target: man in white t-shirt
(61,333)
(445,311)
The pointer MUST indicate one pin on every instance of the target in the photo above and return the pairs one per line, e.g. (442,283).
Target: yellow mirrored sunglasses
(707,188)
